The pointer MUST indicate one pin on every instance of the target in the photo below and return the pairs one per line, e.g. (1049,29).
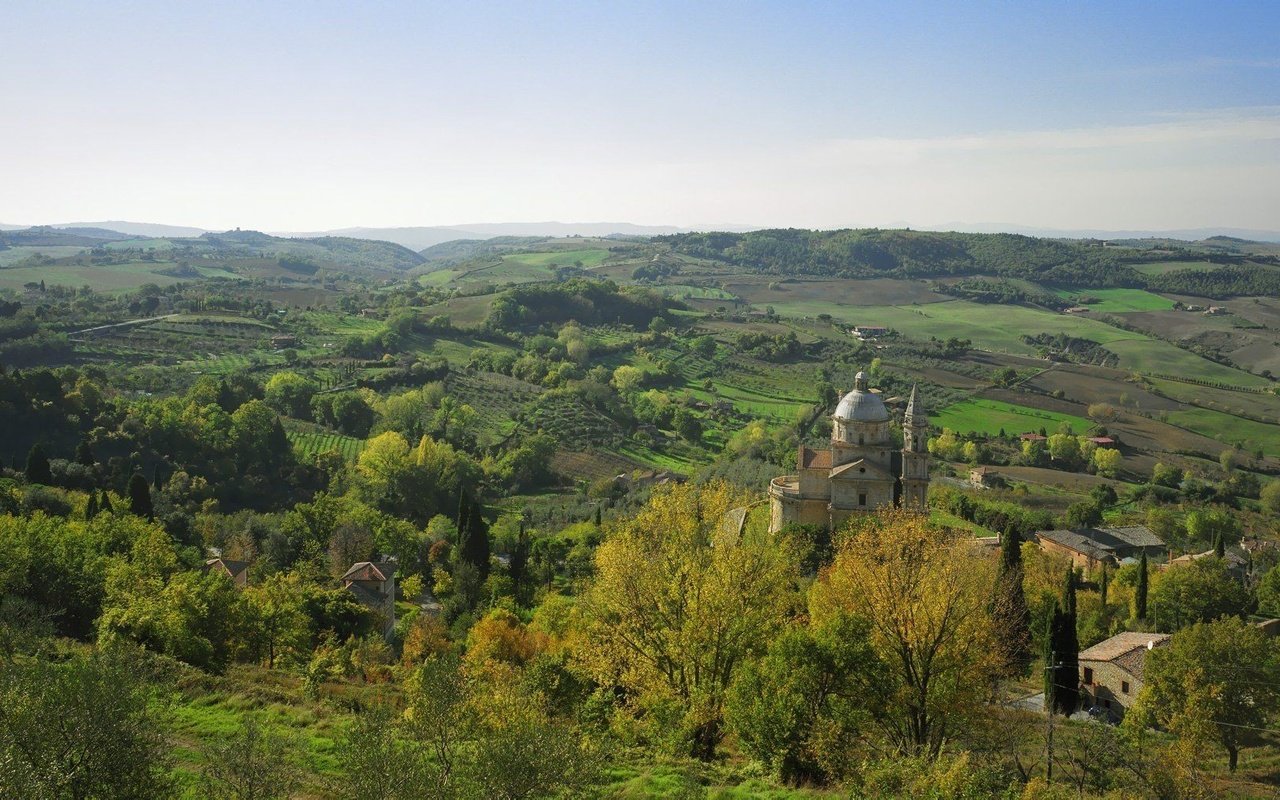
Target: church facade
(863,471)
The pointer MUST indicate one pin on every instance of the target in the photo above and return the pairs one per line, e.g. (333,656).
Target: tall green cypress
(1012,617)
(474,536)
(1050,657)
(1067,645)
(38,466)
(140,497)
(1140,592)
(91,507)
(1103,583)
(105,505)
(1219,545)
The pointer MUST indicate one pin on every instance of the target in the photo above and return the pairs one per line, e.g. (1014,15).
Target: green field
(1118,300)
(681,291)
(1162,267)
(1230,429)
(990,416)
(1000,328)
(102,277)
(592,257)
(16,255)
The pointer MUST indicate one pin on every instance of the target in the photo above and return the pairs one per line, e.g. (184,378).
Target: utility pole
(1051,668)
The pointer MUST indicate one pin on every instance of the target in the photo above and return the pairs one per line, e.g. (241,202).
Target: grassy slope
(990,416)
(1118,300)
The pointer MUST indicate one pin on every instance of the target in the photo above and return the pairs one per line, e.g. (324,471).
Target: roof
(366,595)
(1075,541)
(1135,535)
(814,459)
(1098,542)
(233,568)
(865,470)
(861,404)
(369,571)
(1128,650)
(1102,440)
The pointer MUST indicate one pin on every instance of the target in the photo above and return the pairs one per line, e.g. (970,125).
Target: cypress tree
(38,466)
(597,516)
(1012,617)
(84,454)
(140,497)
(1067,646)
(1140,592)
(520,565)
(475,538)
(91,507)
(1050,657)
(106,503)
(1103,584)
(1220,545)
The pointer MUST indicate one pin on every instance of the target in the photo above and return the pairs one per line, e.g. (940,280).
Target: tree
(1107,461)
(1065,448)
(1207,525)
(277,616)
(1226,672)
(1083,514)
(1268,592)
(1012,617)
(140,497)
(91,506)
(927,596)
(1066,650)
(801,707)
(84,454)
(38,466)
(1166,475)
(87,727)
(1141,589)
(687,425)
(379,762)
(473,537)
(254,764)
(681,601)
(1271,497)
(290,394)
(1201,591)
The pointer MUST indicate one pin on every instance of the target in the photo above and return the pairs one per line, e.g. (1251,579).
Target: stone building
(1112,671)
(863,471)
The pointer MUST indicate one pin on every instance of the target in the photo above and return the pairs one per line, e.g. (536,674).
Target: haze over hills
(419,238)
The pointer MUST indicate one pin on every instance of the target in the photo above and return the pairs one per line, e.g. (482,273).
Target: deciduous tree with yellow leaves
(681,599)
(926,593)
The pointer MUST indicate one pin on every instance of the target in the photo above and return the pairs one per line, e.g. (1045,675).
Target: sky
(313,115)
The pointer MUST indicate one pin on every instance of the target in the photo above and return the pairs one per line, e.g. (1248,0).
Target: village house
(1091,548)
(374,585)
(985,478)
(1237,564)
(870,331)
(1111,672)
(237,571)
(282,340)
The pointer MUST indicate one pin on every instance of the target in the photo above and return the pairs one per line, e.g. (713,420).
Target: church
(863,471)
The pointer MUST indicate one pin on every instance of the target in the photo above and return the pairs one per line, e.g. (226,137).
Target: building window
(862,499)
(1088,676)
(860,439)
(1124,686)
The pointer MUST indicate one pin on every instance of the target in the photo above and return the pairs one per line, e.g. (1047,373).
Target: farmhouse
(870,331)
(1091,548)
(984,478)
(862,472)
(237,571)
(374,585)
(282,340)
(1111,672)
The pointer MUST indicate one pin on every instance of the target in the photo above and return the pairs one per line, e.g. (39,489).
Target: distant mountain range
(1185,234)
(423,237)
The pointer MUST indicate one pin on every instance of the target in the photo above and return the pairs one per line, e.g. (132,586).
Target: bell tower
(915,454)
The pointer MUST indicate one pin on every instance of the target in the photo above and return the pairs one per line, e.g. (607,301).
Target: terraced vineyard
(312,443)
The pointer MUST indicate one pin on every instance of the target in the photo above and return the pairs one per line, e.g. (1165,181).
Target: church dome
(861,404)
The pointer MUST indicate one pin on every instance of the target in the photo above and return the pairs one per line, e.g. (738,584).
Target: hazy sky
(311,115)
